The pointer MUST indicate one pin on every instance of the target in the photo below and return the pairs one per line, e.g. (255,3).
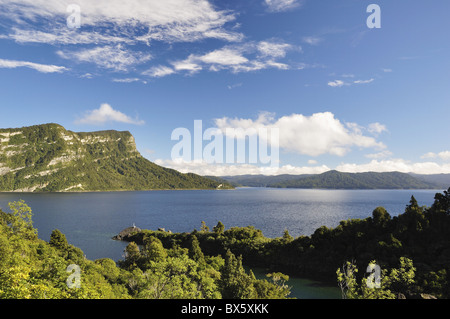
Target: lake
(89,220)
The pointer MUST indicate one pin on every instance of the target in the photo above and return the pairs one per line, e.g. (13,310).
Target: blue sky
(344,96)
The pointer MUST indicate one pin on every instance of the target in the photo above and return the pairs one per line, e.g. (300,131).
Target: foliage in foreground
(33,268)
(412,250)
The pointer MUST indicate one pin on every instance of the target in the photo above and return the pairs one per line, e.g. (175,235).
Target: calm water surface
(89,220)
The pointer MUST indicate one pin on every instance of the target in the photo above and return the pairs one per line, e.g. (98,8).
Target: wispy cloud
(363,81)
(340,83)
(128,80)
(312,40)
(282,5)
(248,57)
(104,114)
(116,58)
(117,20)
(44,68)
(158,71)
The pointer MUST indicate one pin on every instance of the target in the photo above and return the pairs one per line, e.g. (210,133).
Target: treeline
(420,234)
(34,268)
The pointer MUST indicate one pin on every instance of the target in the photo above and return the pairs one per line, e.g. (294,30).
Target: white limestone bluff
(49,158)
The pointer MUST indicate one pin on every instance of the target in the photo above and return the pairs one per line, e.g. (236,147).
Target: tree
(154,249)
(20,219)
(195,252)
(287,237)
(204,227)
(58,240)
(219,228)
(380,216)
(132,255)
(235,282)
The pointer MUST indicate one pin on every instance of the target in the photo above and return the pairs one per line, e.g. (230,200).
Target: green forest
(412,251)
(340,180)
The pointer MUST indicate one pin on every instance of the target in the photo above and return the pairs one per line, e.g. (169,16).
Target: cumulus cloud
(398,165)
(320,133)
(382,154)
(377,128)
(105,113)
(445,155)
(44,68)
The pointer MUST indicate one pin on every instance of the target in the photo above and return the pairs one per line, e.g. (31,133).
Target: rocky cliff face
(50,158)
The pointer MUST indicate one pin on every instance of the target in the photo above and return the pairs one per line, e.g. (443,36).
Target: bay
(89,220)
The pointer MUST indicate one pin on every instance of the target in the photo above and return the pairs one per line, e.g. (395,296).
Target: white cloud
(204,168)
(116,58)
(247,57)
(158,71)
(399,165)
(273,49)
(320,133)
(127,80)
(363,81)
(282,5)
(156,20)
(387,70)
(233,86)
(224,56)
(336,83)
(382,154)
(311,40)
(340,83)
(65,36)
(377,128)
(445,155)
(44,68)
(105,113)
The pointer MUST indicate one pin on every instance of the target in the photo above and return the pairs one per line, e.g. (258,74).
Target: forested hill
(338,180)
(50,158)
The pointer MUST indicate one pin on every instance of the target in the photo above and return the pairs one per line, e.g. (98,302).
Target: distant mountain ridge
(340,180)
(49,158)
